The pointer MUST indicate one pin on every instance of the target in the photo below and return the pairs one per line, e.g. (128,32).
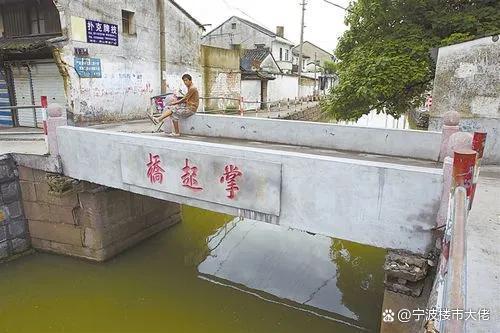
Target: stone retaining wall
(86,220)
(14,236)
(309,114)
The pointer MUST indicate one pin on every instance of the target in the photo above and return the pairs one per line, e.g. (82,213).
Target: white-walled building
(100,58)
(310,53)
(236,32)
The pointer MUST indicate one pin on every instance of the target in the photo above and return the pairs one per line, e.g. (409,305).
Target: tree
(330,67)
(384,60)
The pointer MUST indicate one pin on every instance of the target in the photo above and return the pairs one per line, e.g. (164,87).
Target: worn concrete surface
(23,147)
(201,177)
(22,140)
(392,142)
(371,202)
(314,151)
(483,252)
(146,127)
(467,81)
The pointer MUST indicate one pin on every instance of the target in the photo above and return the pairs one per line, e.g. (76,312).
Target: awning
(251,75)
(18,45)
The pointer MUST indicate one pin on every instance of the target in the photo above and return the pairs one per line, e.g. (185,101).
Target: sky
(324,22)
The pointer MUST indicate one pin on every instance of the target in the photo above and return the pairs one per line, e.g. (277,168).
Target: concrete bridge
(379,187)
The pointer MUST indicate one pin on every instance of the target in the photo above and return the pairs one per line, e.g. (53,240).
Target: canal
(210,273)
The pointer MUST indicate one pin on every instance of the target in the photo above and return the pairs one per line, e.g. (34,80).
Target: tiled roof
(253,58)
(23,44)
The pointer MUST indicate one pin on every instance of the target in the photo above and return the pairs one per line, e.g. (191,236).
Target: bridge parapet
(391,142)
(380,204)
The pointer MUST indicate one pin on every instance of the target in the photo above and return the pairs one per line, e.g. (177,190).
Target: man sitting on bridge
(182,108)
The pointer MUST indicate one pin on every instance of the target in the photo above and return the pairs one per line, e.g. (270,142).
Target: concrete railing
(239,105)
(460,178)
(392,142)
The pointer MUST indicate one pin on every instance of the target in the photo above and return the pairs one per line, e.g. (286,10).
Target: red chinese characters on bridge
(231,173)
(155,171)
(189,177)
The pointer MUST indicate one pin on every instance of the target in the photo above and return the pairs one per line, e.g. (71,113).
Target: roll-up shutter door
(45,80)
(22,88)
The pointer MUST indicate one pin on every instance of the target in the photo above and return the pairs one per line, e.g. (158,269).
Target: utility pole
(303,4)
(163,58)
(314,90)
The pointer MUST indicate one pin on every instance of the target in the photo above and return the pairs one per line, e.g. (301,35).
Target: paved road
(22,140)
(483,252)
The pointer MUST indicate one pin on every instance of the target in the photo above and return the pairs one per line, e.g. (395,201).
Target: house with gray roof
(237,32)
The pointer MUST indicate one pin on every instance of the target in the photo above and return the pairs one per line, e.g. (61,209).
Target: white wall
(183,49)
(130,74)
(276,50)
(250,91)
(245,35)
(467,81)
(131,70)
(283,87)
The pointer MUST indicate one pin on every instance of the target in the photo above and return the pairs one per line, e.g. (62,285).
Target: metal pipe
(16,107)
(457,262)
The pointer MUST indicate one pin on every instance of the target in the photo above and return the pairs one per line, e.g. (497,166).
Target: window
(281,54)
(259,46)
(286,55)
(128,23)
(233,26)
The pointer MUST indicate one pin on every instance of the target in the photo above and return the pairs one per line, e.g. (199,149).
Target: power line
(339,6)
(242,12)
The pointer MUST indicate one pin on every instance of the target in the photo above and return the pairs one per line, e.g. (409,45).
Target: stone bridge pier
(82,219)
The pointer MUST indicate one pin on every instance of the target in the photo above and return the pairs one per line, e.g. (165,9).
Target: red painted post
(463,169)
(478,142)
(44,103)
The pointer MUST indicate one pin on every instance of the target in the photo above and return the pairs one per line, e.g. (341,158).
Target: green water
(156,287)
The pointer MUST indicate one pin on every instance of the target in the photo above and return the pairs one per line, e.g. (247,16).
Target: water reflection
(316,272)
(156,286)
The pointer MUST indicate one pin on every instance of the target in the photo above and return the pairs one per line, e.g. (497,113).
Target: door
(263,94)
(33,80)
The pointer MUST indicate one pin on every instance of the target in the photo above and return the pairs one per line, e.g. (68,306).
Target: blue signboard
(102,33)
(88,67)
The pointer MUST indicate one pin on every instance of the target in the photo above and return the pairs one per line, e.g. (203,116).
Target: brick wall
(87,220)
(14,237)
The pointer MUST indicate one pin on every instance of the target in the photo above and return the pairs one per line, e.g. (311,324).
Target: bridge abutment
(82,219)
(14,236)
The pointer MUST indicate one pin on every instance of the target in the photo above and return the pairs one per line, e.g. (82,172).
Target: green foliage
(330,67)
(384,57)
